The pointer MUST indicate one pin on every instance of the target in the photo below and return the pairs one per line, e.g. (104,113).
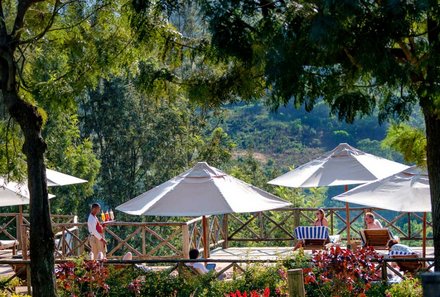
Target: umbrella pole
(424,235)
(347,214)
(205,237)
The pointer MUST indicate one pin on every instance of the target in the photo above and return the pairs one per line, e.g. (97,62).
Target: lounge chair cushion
(400,253)
(6,244)
(311,232)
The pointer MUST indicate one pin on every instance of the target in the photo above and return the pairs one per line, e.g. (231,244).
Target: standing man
(96,232)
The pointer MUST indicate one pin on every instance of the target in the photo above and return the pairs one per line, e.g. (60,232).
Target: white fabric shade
(202,190)
(55,178)
(406,191)
(13,193)
(344,165)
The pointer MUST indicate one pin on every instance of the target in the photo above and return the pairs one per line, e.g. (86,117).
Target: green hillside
(292,136)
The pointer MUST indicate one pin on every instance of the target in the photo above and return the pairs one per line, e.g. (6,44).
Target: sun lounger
(313,237)
(9,244)
(376,238)
(407,267)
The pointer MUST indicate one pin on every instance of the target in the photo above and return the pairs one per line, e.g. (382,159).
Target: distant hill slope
(293,137)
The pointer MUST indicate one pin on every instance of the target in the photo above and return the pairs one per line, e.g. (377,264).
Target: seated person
(397,250)
(199,266)
(394,246)
(372,222)
(320,218)
(319,221)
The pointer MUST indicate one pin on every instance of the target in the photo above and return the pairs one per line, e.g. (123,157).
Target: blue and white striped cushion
(400,253)
(311,232)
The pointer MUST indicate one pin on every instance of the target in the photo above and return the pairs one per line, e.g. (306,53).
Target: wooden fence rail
(161,240)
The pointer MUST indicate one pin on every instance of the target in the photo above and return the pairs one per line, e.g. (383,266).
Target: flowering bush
(341,272)
(85,279)
(254,293)
(410,287)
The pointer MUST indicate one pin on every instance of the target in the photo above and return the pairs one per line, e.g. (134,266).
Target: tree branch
(82,20)
(3,30)
(352,60)
(407,51)
(22,8)
(55,11)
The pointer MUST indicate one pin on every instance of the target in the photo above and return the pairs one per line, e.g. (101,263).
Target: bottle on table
(112,215)
(107,216)
(103,216)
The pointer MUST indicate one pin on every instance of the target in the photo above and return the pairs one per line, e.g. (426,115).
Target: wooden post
(261,223)
(28,278)
(185,241)
(424,235)
(19,223)
(24,247)
(225,244)
(296,222)
(144,242)
(295,282)
(205,237)
(347,212)
(296,218)
(332,222)
(384,271)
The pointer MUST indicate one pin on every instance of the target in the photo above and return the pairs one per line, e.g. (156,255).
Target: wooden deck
(277,253)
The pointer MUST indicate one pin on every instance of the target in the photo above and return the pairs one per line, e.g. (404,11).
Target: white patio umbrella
(406,191)
(344,165)
(55,178)
(202,190)
(12,193)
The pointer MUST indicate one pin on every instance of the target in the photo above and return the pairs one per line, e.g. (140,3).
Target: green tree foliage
(68,152)
(50,51)
(409,141)
(355,55)
(12,162)
(143,141)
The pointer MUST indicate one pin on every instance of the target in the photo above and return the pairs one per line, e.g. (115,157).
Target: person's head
(193,253)
(320,214)
(391,242)
(369,218)
(95,208)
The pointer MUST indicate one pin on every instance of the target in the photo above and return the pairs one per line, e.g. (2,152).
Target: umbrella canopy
(12,193)
(344,165)
(406,191)
(202,190)
(55,178)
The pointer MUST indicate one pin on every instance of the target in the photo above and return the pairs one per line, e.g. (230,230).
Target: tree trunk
(42,245)
(432,123)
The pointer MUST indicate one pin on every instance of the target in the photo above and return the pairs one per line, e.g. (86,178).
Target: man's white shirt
(91,224)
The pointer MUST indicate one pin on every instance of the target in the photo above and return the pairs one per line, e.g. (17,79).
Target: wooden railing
(162,240)
(276,226)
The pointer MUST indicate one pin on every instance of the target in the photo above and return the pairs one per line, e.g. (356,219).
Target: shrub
(265,293)
(82,278)
(341,272)
(410,287)
(8,286)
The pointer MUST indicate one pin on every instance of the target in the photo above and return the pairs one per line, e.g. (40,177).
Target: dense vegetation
(127,93)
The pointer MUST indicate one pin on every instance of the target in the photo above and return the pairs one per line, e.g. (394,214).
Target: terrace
(234,240)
